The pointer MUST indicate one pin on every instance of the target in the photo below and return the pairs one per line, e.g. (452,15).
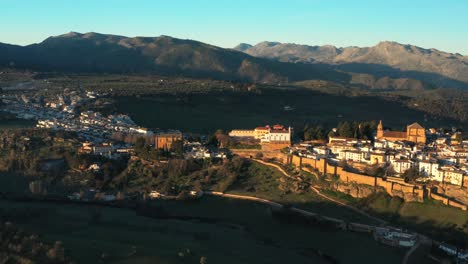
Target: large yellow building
(166,140)
(414,133)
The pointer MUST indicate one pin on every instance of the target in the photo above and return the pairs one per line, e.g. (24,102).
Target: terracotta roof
(278,131)
(261,128)
(395,134)
(415,125)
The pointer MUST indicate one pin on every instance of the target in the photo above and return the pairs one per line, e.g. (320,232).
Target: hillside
(93,52)
(386,59)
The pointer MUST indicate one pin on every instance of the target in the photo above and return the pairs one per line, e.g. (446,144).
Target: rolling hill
(93,52)
(386,66)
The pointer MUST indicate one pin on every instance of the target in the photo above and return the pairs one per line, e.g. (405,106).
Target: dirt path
(245,197)
(315,189)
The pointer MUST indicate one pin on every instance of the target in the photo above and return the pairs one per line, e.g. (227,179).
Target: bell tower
(380,130)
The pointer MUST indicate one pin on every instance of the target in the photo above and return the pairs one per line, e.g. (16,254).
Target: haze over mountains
(388,65)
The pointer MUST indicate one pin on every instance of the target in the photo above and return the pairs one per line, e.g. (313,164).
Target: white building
(401,165)
(278,135)
(428,168)
(353,155)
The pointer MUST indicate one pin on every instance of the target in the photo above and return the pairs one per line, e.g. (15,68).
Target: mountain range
(384,61)
(388,65)
(93,52)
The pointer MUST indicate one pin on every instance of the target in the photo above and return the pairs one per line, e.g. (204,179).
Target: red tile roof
(278,131)
(395,134)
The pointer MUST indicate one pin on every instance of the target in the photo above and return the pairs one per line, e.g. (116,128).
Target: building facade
(166,140)
(414,133)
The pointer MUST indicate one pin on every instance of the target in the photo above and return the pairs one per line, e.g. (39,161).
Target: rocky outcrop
(355,190)
(407,196)
(363,191)
(456,192)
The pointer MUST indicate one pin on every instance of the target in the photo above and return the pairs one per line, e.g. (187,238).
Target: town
(418,164)
(326,132)
(434,156)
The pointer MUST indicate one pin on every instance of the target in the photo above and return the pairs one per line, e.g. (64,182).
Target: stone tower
(380,130)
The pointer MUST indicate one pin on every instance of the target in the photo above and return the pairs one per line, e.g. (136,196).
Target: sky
(440,24)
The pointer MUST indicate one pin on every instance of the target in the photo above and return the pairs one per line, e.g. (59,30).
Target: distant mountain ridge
(388,65)
(387,58)
(243,47)
(94,52)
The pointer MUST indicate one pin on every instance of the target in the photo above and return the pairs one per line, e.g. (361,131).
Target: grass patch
(339,195)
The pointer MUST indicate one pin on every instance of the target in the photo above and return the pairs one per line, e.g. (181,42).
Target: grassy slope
(431,217)
(263,181)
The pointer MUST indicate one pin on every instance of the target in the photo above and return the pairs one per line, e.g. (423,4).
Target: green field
(223,230)
(207,112)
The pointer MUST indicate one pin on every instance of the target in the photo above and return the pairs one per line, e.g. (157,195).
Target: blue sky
(441,24)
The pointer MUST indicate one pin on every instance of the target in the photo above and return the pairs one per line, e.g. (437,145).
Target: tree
(319,133)
(212,141)
(223,140)
(178,147)
(411,175)
(345,130)
(140,144)
(311,133)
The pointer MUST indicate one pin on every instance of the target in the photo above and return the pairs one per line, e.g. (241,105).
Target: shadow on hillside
(379,70)
(447,233)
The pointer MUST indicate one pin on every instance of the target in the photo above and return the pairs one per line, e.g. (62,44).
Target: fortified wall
(392,185)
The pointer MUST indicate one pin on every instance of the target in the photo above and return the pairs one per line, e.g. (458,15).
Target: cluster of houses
(60,112)
(437,157)
(106,149)
(93,126)
(36,106)
(196,150)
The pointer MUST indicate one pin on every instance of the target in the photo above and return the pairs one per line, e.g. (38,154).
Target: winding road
(422,238)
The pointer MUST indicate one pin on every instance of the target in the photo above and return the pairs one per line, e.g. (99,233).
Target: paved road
(409,252)
(245,197)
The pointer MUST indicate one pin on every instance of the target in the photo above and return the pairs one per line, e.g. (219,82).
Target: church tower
(380,130)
